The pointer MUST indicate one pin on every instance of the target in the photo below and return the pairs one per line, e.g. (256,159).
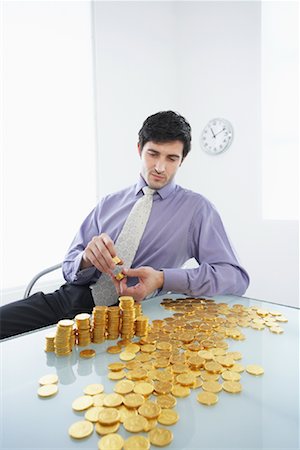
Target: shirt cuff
(175,280)
(83,274)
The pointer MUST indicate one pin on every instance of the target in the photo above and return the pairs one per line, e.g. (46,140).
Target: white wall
(49,176)
(202,59)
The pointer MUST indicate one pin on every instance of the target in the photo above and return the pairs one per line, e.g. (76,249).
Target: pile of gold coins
(99,321)
(127,326)
(179,354)
(64,337)
(109,323)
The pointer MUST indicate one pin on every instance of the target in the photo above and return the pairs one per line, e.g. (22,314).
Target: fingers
(99,253)
(140,272)
(137,291)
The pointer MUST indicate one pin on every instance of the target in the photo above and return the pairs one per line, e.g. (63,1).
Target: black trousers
(40,310)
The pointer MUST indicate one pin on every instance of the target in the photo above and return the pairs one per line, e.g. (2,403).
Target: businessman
(154,227)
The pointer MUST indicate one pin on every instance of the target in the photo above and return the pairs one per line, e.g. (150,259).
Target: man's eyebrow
(172,155)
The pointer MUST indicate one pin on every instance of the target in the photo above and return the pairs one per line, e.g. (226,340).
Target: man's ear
(183,158)
(139,149)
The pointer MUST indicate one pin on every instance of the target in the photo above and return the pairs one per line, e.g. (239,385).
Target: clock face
(216,136)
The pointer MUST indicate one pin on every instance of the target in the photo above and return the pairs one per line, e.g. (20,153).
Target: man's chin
(155,183)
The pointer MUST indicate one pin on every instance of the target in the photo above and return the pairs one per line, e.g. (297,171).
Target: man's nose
(160,166)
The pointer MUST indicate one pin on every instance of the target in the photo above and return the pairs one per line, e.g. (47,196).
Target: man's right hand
(99,252)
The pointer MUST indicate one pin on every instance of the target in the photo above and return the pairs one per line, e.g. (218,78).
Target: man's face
(160,162)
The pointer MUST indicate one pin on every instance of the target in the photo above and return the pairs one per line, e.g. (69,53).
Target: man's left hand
(149,280)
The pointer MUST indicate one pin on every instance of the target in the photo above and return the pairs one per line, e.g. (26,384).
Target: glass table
(265,415)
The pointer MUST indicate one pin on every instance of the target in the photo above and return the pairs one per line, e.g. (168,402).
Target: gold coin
(116,366)
(233,387)
(66,323)
(124,387)
(143,388)
(229,375)
(116,375)
(126,412)
(133,400)
(92,413)
(277,330)
(235,355)
(111,442)
(150,410)
(135,424)
(206,354)
(127,356)
(281,319)
(151,423)
(93,389)
(137,443)
(106,429)
(108,416)
(207,398)
(186,379)
(113,400)
(213,367)
(82,403)
(237,368)
(114,349)
(254,369)
(132,348)
(225,361)
(160,437)
(212,386)
(163,387)
(98,399)
(81,429)
(198,383)
(168,417)
(47,390)
(148,348)
(88,353)
(180,391)
(48,379)
(207,376)
(166,401)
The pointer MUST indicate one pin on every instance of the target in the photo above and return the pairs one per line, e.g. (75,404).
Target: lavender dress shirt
(182,225)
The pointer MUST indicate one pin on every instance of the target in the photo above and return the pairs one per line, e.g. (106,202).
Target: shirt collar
(163,192)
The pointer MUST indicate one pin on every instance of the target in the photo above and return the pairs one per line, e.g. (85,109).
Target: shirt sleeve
(219,271)
(71,265)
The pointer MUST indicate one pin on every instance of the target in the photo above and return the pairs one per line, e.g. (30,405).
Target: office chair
(39,275)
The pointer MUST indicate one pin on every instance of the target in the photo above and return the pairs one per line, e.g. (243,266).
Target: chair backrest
(39,275)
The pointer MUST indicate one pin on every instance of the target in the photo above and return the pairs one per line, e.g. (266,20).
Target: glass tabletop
(265,415)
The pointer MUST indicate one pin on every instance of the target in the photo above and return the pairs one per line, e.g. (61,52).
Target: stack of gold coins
(128,317)
(62,340)
(49,347)
(138,309)
(83,329)
(99,319)
(141,326)
(113,322)
(73,339)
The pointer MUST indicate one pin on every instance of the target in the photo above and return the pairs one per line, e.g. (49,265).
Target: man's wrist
(160,279)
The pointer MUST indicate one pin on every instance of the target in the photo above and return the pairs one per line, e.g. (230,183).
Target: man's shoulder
(195,197)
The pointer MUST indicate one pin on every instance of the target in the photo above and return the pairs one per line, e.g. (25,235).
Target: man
(180,225)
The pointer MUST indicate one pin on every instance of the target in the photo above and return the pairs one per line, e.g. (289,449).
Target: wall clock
(216,136)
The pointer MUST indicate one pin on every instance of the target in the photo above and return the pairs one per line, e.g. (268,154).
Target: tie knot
(148,191)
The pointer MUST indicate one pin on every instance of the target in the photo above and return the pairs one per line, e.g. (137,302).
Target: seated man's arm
(219,271)
(90,253)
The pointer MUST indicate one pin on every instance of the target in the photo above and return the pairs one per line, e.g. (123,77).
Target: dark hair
(166,126)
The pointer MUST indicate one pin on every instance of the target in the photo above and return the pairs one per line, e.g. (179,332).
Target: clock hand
(219,132)
(212,133)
